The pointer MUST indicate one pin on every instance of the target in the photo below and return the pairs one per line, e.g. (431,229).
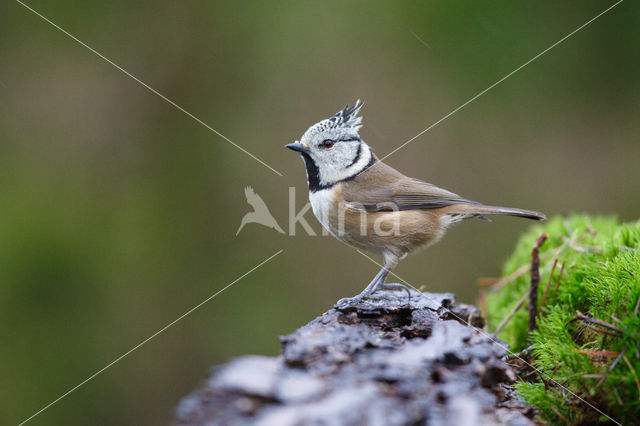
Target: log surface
(375,362)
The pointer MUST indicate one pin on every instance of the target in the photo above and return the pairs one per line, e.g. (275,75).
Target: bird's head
(333,150)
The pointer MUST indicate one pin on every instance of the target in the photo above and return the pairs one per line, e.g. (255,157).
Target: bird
(369,205)
(260,213)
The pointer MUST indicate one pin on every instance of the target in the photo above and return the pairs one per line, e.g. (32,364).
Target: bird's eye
(327,143)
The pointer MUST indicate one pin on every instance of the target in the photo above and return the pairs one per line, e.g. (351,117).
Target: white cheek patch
(333,172)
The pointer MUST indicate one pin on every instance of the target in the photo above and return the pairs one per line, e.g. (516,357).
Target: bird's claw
(376,295)
(349,301)
(396,286)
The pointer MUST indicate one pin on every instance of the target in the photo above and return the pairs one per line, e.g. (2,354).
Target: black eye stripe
(345,140)
(334,141)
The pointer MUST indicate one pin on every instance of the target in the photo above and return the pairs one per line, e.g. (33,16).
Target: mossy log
(586,345)
(387,361)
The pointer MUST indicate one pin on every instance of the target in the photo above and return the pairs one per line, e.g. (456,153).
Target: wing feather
(387,189)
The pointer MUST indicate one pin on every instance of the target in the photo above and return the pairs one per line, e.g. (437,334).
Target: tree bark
(387,361)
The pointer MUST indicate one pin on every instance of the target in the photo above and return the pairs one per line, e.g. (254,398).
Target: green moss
(601,278)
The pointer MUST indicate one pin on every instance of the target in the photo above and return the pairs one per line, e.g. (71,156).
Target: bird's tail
(481,210)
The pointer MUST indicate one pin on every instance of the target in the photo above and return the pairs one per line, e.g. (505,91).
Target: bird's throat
(313,174)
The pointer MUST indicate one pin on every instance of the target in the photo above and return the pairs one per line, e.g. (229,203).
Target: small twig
(470,319)
(546,289)
(602,343)
(522,354)
(600,382)
(535,280)
(511,277)
(596,353)
(599,330)
(635,311)
(522,270)
(579,330)
(559,414)
(592,320)
(555,290)
(615,362)
(486,281)
(594,376)
(482,304)
(577,247)
(572,244)
(513,311)
(557,367)
(546,382)
(615,391)
(634,374)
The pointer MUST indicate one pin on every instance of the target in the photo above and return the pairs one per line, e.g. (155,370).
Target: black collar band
(313,173)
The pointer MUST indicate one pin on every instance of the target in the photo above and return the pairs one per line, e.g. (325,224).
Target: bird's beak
(297,146)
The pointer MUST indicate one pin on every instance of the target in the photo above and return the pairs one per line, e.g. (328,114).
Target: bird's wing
(382,188)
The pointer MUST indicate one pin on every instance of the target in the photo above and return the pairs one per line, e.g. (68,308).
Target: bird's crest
(348,116)
(346,120)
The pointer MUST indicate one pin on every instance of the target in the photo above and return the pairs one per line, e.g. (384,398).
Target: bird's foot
(348,302)
(395,286)
(367,294)
(378,294)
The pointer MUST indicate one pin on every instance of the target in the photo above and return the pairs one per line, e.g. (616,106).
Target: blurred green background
(118,213)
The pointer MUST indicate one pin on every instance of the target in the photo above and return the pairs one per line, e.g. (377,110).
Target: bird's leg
(375,283)
(378,284)
(390,261)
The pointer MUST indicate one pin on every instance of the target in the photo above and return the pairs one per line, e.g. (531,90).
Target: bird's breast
(324,206)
